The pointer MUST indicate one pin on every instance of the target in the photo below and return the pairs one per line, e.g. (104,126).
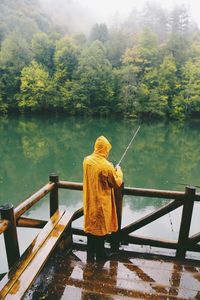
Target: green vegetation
(149,66)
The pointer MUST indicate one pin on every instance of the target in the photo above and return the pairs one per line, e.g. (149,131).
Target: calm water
(162,156)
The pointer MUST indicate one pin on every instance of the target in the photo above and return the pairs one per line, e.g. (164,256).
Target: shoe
(101,252)
(104,255)
(90,257)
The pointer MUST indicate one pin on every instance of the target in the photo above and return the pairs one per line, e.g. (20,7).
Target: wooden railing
(185,199)
(12,217)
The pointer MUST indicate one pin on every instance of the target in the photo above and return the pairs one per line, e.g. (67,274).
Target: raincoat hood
(102,146)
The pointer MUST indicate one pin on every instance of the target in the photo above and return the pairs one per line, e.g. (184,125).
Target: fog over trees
(54,57)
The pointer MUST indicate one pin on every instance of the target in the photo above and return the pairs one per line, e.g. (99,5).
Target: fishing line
(170,220)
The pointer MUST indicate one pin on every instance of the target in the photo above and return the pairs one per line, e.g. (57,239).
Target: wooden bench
(19,278)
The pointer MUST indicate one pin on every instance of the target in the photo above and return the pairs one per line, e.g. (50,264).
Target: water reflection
(31,148)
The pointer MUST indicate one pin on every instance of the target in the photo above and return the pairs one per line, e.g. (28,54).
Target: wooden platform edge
(42,246)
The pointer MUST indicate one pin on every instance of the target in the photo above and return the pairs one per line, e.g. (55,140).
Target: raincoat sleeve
(115,177)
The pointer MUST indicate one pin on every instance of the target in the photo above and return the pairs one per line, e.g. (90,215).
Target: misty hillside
(30,16)
(70,17)
(24,16)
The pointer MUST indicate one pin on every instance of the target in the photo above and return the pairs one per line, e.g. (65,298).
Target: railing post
(10,235)
(54,194)
(185,222)
(119,203)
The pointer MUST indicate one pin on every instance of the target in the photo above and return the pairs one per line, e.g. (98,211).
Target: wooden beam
(70,185)
(194,248)
(30,223)
(78,231)
(136,240)
(28,203)
(183,240)
(150,217)
(154,193)
(166,194)
(12,276)
(21,282)
(77,214)
(195,238)
(53,194)
(4,224)
(10,235)
(118,191)
(149,242)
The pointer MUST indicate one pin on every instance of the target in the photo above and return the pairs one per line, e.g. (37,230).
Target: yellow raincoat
(99,179)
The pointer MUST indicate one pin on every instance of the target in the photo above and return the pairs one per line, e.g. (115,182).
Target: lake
(162,156)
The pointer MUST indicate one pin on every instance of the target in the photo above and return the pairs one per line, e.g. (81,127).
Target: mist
(76,16)
(71,15)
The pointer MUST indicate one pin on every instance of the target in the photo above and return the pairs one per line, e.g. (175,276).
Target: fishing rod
(134,135)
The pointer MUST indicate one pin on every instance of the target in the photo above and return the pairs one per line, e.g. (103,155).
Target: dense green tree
(143,54)
(191,86)
(15,52)
(155,101)
(126,85)
(66,56)
(43,50)
(99,32)
(34,88)
(168,83)
(116,46)
(138,79)
(94,75)
(14,55)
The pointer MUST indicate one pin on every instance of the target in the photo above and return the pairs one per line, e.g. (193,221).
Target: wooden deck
(128,276)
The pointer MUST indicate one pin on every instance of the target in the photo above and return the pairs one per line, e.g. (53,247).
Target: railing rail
(36,197)
(153,193)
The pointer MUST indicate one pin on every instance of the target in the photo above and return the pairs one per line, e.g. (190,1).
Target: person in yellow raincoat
(100,216)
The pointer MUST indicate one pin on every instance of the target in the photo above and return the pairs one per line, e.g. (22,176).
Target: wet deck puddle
(71,277)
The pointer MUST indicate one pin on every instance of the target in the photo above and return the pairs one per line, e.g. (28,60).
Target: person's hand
(117,167)
(118,170)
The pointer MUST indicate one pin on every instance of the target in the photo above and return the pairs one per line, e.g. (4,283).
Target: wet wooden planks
(16,282)
(71,277)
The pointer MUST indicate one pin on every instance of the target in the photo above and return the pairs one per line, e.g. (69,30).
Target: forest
(147,66)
